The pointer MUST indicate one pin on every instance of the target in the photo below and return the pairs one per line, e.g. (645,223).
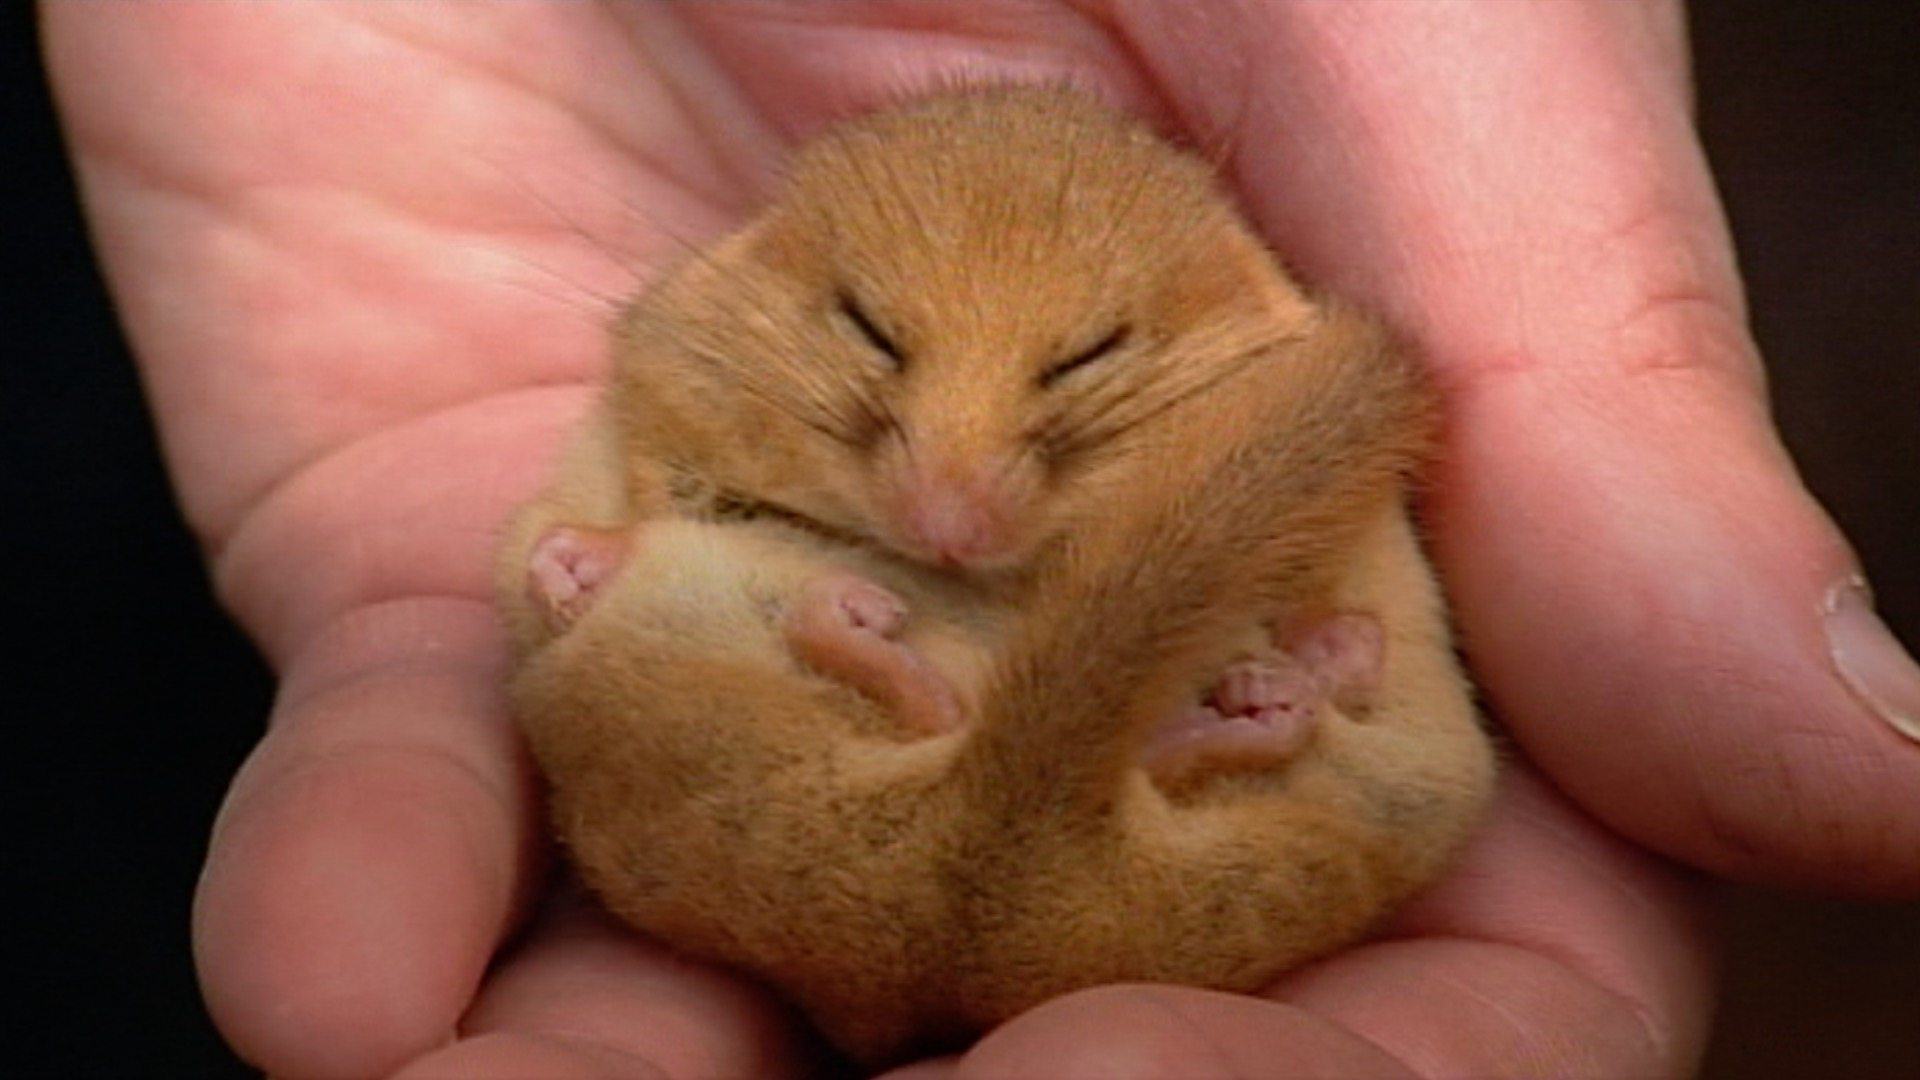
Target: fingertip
(370,855)
(519,1055)
(343,921)
(1150,1032)
(942,1068)
(1660,612)
(580,976)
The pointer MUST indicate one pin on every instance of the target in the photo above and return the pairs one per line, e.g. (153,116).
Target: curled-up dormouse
(988,575)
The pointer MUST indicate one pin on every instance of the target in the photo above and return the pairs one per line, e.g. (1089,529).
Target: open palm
(366,252)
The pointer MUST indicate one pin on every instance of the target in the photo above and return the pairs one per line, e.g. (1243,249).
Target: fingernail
(1870,660)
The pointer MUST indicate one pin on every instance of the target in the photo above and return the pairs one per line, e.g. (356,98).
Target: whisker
(1133,409)
(1230,368)
(598,243)
(684,243)
(890,421)
(781,403)
(608,304)
(795,391)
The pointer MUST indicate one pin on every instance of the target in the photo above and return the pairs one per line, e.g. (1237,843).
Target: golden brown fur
(897,375)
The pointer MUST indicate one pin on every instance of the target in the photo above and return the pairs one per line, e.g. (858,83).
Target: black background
(135,699)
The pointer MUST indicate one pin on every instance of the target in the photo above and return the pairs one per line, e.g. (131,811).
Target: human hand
(362,330)
(344,237)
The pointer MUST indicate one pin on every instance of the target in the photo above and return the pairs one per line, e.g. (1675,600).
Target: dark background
(138,699)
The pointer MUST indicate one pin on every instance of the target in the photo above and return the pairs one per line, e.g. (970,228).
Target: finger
(1553,950)
(517,1056)
(1139,1032)
(583,992)
(1663,614)
(373,850)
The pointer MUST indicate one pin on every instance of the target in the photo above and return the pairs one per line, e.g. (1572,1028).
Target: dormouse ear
(568,567)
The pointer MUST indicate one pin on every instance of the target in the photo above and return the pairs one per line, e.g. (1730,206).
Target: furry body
(991,461)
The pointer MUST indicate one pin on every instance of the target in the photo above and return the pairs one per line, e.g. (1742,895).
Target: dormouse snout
(959,516)
(950,523)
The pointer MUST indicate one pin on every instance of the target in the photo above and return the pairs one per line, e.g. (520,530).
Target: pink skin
(1262,712)
(955,517)
(568,567)
(946,525)
(1343,651)
(848,628)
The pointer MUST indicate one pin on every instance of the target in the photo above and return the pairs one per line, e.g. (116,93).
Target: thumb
(1667,621)
(1674,629)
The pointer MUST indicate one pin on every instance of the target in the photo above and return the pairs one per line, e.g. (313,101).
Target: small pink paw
(1263,711)
(1261,715)
(846,628)
(864,605)
(568,567)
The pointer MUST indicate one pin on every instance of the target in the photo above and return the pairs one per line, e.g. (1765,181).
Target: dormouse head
(953,332)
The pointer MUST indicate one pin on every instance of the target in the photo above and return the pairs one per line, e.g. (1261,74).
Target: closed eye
(1097,351)
(881,343)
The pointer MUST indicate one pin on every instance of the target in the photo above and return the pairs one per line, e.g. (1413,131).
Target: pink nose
(951,523)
